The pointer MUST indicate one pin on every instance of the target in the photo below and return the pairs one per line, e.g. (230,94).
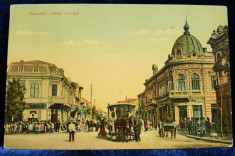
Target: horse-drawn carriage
(167,128)
(91,123)
(121,121)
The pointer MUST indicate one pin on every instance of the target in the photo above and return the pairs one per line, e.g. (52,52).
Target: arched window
(178,53)
(213,82)
(195,82)
(181,83)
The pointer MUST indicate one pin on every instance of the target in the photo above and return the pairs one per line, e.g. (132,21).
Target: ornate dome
(187,44)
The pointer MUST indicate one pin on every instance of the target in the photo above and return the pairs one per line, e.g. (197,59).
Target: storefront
(59,112)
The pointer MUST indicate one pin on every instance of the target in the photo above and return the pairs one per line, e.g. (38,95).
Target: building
(142,108)
(49,94)
(131,101)
(219,42)
(184,87)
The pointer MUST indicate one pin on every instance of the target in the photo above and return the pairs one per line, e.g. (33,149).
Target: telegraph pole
(91,101)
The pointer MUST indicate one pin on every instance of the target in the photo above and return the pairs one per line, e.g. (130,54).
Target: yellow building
(49,94)
(219,42)
(184,87)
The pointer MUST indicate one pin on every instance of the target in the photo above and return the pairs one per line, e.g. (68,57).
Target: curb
(210,140)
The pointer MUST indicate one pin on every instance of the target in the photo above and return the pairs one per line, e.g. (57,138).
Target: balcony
(179,94)
(184,94)
(56,99)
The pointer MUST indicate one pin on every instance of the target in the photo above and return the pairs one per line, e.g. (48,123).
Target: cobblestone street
(91,140)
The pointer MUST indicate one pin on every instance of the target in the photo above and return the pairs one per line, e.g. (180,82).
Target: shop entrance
(182,112)
(54,115)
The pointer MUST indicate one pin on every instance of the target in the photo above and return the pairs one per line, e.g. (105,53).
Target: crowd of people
(31,127)
(45,127)
(199,126)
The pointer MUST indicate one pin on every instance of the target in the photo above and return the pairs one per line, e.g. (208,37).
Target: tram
(121,120)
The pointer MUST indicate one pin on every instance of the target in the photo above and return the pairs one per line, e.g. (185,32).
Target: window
(34,90)
(181,83)
(36,68)
(178,53)
(170,84)
(195,82)
(54,90)
(213,82)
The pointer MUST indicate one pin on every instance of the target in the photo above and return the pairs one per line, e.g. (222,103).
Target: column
(177,114)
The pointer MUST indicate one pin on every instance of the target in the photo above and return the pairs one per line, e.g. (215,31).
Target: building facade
(219,42)
(49,94)
(142,108)
(184,87)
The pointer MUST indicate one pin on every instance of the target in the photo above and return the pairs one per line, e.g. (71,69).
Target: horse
(90,125)
(120,129)
(129,128)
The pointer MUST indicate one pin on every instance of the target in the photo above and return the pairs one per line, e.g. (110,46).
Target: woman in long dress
(82,126)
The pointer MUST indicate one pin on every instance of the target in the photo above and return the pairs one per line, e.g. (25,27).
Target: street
(91,140)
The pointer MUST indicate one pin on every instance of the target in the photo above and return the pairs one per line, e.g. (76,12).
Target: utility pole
(221,111)
(91,101)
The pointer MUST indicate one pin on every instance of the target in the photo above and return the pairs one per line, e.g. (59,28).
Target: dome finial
(186,18)
(186,27)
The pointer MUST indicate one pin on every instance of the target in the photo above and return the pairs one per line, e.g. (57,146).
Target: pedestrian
(185,123)
(82,126)
(6,128)
(85,127)
(58,127)
(136,130)
(20,128)
(15,127)
(189,125)
(203,125)
(42,127)
(72,130)
(156,124)
(208,126)
(181,124)
(52,127)
(48,127)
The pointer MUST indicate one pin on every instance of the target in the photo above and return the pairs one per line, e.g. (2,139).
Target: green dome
(190,44)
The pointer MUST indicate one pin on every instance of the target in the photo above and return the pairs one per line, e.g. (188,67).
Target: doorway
(182,112)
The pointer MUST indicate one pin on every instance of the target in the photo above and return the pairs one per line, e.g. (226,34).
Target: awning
(59,106)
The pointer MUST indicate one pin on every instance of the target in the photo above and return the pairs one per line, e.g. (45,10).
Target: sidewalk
(225,140)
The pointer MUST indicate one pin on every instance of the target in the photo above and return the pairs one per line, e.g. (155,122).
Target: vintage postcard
(89,76)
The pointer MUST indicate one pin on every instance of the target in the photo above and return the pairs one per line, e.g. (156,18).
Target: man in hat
(72,130)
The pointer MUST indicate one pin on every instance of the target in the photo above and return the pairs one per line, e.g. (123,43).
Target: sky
(109,46)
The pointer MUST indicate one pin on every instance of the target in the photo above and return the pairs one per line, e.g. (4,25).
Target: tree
(15,103)
(95,113)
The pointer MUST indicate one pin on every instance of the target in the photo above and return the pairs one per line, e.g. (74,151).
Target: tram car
(121,121)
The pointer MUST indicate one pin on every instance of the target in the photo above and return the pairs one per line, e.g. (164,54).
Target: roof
(34,62)
(190,44)
(121,104)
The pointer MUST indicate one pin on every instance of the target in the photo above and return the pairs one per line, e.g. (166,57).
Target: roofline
(121,104)
(169,65)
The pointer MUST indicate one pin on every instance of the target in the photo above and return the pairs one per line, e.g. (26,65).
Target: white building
(49,94)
